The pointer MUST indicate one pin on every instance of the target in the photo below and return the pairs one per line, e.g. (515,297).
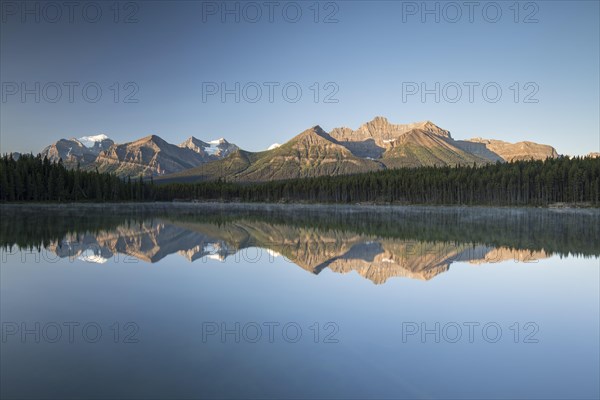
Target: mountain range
(375,145)
(148,156)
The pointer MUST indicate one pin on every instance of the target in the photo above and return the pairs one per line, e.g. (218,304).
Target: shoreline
(191,205)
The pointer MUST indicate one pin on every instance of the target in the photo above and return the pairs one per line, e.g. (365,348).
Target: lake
(297,301)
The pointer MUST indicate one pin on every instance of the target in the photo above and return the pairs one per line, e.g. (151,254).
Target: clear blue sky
(372,49)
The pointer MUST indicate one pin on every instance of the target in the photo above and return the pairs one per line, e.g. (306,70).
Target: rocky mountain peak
(73,151)
(378,127)
(372,138)
(152,138)
(211,150)
(316,132)
(193,142)
(379,121)
(433,128)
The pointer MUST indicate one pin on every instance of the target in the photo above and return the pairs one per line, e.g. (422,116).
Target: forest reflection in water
(376,242)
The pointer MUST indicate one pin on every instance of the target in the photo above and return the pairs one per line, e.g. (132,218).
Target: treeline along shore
(520,183)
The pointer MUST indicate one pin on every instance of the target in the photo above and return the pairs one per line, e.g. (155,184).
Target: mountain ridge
(148,156)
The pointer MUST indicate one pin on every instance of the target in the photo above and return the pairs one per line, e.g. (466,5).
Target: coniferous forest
(33,178)
(520,183)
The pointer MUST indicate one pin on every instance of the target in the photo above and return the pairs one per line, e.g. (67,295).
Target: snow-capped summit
(90,141)
(73,152)
(218,141)
(211,150)
(218,147)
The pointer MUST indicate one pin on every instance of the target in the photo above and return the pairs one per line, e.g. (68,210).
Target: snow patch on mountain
(274,146)
(273,253)
(90,141)
(214,148)
(213,251)
(91,257)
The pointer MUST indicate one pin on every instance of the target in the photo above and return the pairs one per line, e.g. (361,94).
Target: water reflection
(378,244)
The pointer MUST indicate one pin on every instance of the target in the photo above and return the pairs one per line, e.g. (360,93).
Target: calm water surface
(188,301)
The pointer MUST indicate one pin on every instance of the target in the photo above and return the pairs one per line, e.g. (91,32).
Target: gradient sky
(175,47)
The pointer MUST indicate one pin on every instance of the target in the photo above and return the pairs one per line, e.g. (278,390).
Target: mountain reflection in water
(377,243)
